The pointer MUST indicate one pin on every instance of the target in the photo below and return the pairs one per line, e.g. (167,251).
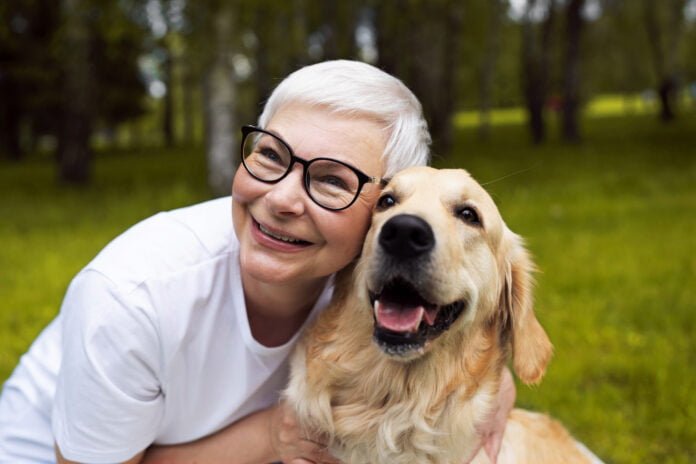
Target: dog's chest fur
(372,409)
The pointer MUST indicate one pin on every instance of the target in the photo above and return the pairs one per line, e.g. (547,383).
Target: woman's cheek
(358,227)
(242,190)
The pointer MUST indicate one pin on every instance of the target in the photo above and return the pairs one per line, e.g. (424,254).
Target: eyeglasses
(330,183)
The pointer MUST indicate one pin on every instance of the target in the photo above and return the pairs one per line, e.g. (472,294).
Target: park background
(578,115)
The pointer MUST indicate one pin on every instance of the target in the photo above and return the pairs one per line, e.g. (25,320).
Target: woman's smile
(277,239)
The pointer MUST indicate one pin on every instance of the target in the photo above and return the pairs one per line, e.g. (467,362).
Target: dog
(406,362)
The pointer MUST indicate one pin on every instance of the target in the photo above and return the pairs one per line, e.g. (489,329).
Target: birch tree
(220,95)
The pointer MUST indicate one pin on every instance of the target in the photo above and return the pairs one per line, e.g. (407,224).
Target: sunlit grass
(610,222)
(601,106)
(466,119)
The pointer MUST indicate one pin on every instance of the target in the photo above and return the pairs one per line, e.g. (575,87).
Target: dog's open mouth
(405,321)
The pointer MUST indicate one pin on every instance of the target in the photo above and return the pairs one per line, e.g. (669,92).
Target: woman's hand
(268,435)
(492,431)
(290,443)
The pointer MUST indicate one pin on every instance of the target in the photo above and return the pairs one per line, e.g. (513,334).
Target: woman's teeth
(279,237)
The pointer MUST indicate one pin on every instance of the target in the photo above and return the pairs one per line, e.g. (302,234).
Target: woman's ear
(531,347)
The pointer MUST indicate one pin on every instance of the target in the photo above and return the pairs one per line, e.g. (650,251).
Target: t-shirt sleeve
(108,402)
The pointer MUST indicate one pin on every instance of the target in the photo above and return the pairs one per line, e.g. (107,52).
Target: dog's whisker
(521,171)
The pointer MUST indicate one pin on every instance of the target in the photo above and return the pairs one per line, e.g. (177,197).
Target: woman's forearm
(246,441)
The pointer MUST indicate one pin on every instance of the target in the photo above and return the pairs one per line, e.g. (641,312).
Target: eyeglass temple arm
(382,181)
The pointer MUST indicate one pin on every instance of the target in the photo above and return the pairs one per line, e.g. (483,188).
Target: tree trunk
(331,31)
(187,109)
(263,75)
(666,91)
(10,127)
(168,113)
(454,16)
(388,35)
(663,51)
(535,68)
(220,94)
(427,58)
(339,21)
(298,36)
(74,155)
(571,77)
(492,47)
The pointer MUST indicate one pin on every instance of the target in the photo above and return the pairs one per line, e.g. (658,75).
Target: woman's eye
(386,201)
(469,215)
(270,154)
(334,181)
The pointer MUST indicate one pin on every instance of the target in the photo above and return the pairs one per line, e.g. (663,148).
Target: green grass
(610,222)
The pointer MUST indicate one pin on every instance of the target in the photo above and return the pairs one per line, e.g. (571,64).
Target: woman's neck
(276,311)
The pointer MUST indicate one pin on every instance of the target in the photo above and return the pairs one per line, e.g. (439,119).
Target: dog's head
(439,262)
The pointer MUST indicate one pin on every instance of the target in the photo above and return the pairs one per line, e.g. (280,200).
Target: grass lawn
(611,223)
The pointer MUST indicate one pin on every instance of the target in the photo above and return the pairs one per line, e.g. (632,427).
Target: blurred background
(579,116)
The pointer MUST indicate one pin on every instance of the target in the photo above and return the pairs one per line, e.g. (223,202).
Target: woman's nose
(287,196)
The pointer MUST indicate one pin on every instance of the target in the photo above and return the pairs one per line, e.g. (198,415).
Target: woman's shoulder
(169,243)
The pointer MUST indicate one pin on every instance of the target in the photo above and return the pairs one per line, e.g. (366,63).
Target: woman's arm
(265,436)
(61,460)
(273,434)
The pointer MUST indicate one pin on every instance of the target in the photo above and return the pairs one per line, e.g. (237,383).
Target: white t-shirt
(152,345)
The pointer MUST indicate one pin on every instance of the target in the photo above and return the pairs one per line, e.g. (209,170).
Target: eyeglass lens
(329,183)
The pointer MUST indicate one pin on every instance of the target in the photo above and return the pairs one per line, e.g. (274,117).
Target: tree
(571,71)
(664,27)
(618,32)
(488,65)
(339,27)
(168,113)
(29,71)
(99,49)
(220,101)
(425,55)
(74,152)
(536,59)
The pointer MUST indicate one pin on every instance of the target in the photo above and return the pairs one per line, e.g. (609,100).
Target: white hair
(357,88)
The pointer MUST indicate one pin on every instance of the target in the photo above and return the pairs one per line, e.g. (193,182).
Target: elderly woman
(172,344)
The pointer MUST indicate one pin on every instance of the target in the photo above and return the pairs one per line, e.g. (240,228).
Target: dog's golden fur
(425,407)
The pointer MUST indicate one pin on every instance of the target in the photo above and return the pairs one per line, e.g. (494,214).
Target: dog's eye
(469,215)
(386,201)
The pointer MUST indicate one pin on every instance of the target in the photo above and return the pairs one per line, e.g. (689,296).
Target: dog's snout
(406,236)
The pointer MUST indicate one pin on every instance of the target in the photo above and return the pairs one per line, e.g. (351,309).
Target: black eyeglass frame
(362,177)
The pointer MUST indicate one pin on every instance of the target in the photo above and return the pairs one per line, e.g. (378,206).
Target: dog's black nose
(406,236)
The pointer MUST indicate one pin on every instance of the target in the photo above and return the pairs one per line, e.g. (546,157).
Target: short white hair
(357,88)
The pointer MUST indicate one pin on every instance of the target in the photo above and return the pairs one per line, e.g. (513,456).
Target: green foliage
(610,223)
(35,47)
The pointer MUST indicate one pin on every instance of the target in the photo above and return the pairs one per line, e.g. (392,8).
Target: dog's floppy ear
(531,347)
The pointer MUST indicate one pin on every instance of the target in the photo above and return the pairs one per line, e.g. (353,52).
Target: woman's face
(284,236)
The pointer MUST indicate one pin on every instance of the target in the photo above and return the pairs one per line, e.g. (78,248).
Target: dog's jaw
(405,323)
(363,424)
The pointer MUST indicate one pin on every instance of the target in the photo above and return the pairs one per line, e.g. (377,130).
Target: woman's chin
(263,269)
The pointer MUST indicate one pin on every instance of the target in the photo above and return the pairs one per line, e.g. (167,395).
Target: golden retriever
(406,362)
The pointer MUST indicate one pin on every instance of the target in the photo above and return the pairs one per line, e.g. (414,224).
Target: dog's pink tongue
(398,318)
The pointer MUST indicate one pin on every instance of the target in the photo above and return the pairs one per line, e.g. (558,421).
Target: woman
(179,330)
